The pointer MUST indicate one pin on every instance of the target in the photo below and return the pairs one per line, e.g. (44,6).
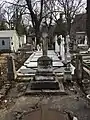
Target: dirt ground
(15,105)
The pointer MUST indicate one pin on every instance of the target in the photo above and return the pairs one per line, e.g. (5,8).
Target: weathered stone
(44,62)
(11,73)
(21,87)
(39,85)
(79,67)
(67,73)
(44,78)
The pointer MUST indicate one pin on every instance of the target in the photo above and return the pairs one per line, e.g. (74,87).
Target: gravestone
(56,45)
(11,73)
(85,42)
(45,81)
(67,73)
(79,72)
(62,49)
(44,77)
(45,46)
(79,67)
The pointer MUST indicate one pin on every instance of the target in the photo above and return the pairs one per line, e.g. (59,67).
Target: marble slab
(31,63)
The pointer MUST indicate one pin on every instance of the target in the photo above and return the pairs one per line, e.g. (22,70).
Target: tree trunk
(37,37)
(88,21)
(37,33)
(68,26)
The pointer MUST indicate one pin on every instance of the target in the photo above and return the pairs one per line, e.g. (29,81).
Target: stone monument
(67,73)
(11,72)
(79,67)
(44,77)
(45,80)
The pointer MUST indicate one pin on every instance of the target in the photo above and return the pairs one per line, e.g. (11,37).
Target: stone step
(45,73)
(45,92)
(44,78)
(59,74)
(25,75)
(60,91)
(60,78)
(24,79)
(39,85)
(46,70)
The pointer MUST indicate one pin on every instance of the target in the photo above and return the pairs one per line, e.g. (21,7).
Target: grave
(44,77)
(44,80)
(79,67)
(67,73)
(11,72)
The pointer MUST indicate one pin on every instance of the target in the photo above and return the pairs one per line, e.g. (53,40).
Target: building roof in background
(7,33)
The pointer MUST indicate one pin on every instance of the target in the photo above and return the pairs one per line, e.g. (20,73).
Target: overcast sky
(12,0)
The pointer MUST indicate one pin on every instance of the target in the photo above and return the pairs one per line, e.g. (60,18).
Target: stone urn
(86,82)
(67,74)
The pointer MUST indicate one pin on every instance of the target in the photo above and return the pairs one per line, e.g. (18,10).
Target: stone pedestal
(45,82)
(44,78)
(45,46)
(67,75)
(79,67)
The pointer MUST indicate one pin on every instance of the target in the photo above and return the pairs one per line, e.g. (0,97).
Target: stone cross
(45,44)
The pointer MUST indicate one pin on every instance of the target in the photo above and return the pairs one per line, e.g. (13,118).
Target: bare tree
(41,12)
(70,8)
(15,12)
(21,8)
(46,11)
(36,15)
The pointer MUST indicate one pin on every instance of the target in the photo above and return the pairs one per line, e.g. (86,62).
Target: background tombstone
(11,73)
(45,46)
(45,43)
(67,73)
(62,49)
(56,45)
(79,68)
(85,42)
(79,73)
(45,39)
